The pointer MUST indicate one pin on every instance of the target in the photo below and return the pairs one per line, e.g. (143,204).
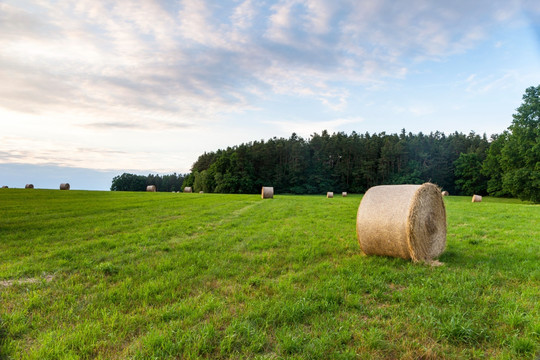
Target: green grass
(157,275)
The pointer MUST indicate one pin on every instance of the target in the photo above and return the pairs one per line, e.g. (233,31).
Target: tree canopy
(337,162)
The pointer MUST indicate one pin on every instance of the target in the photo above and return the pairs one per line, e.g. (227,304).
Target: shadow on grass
(503,261)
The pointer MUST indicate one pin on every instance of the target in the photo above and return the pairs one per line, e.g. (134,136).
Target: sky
(90,89)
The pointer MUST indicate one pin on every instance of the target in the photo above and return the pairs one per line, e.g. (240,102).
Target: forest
(506,164)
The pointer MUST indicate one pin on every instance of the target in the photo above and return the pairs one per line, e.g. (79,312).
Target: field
(114,275)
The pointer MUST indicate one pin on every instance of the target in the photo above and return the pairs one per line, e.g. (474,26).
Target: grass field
(114,275)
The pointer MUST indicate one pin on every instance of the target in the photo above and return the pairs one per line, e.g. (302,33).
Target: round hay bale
(406,221)
(445,193)
(201,192)
(476,198)
(329,194)
(29,186)
(267,192)
(5,187)
(344,194)
(64,186)
(151,188)
(188,189)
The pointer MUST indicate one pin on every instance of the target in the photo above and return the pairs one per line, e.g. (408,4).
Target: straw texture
(406,221)
(188,189)
(29,186)
(329,194)
(476,198)
(445,193)
(64,186)
(267,192)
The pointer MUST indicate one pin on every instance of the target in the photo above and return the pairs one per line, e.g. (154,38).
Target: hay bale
(151,188)
(29,186)
(445,193)
(267,192)
(5,187)
(64,186)
(406,221)
(476,198)
(329,194)
(188,189)
(201,192)
(344,194)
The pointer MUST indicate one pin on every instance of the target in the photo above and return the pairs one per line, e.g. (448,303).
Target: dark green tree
(492,168)
(469,177)
(129,182)
(520,156)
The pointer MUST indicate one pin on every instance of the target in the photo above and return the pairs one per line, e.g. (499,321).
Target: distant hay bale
(64,186)
(201,192)
(476,198)
(344,194)
(151,188)
(188,189)
(5,187)
(267,192)
(445,193)
(29,186)
(406,221)
(329,194)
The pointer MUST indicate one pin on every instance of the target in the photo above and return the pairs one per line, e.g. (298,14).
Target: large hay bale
(29,186)
(151,188)
(64,186)
(267,192)
(476,198)
(329,194)
(344,194)
(188,189)
(406,221)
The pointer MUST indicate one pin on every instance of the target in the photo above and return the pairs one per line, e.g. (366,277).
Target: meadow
(125,275)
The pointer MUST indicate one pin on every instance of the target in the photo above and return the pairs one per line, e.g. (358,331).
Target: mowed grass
(114,275)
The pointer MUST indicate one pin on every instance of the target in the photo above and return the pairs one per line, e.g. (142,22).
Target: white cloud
(499,82)
(130,67)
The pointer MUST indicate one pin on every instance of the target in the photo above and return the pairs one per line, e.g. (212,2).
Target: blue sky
(91,88)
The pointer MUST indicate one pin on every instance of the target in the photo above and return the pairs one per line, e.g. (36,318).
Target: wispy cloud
(147,55)
(480,85)
(149,65)
(145,126)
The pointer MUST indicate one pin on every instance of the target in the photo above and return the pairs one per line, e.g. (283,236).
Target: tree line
(132,182)
(506,164)
(341,162)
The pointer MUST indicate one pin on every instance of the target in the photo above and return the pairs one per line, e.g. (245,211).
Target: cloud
(72,154)
(199,57)
(137,126)
(501,81)
(132,67)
